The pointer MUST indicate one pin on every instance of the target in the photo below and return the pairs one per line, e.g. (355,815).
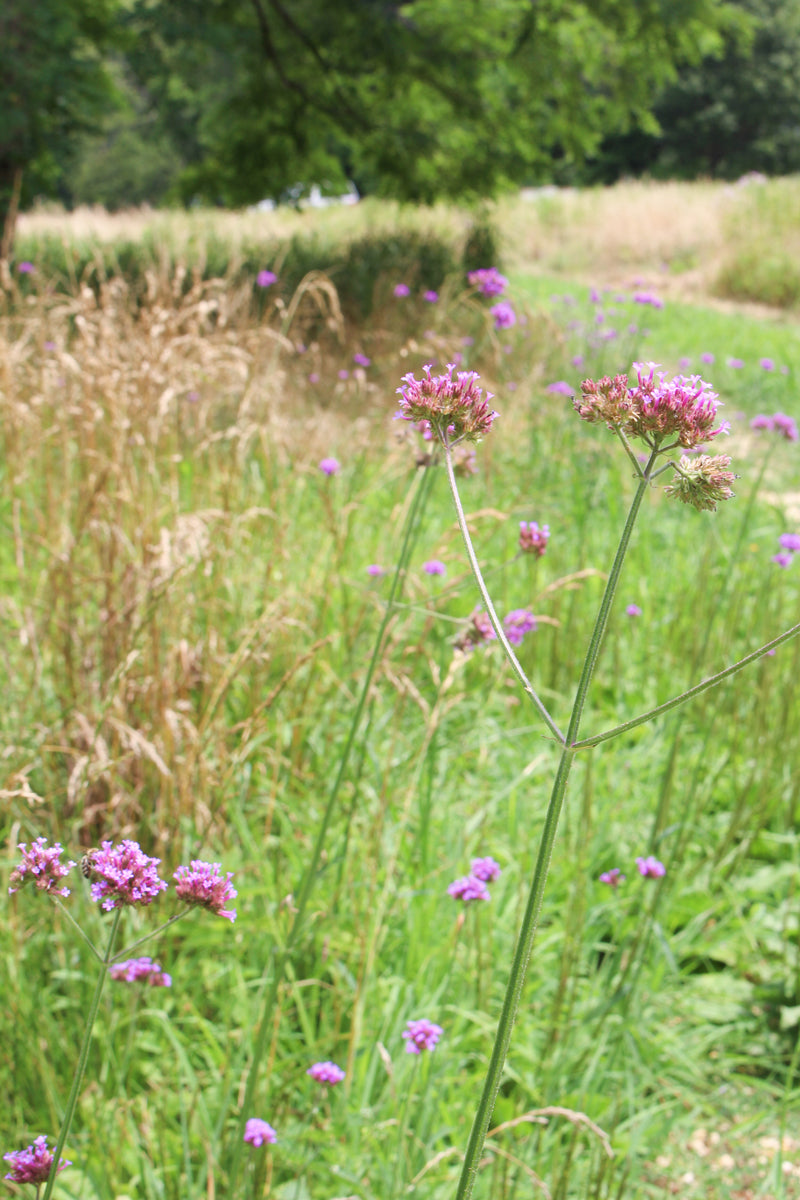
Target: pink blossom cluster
(682,410)
(135,969)
(517,624)
(473,886)
(779,423)
(455,407)
(532,539)
(326,1072)
(42,866)
(421,1035)
(479,631)
(203,885)
(488,280)
(702,481)
(33,1164)
(124,875)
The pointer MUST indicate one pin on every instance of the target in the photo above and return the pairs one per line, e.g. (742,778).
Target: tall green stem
(310,874)
(83,1056)
(530,920)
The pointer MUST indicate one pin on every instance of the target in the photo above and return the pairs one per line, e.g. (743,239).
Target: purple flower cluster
(326,1072)
(257,1132)
(421,1035)
(42,866)
(401,290)
(633,610)
(789,546)
(449,403)
(478,632)
(473,886)
(702,481)
(504,315)
(124,875)
(649,868)
(329,466)
(33,1164)
(488,280)
(265,279)
(434,566)
(136,969)
(779,423)
(361,360)
(202,884)
(519,622)
(648,298)
(532,539)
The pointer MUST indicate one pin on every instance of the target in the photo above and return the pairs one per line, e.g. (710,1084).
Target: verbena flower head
(265,279)
(376,570)
(650,867)
(478,632)
(560,388)
(783,559)
(468,888)
(326,1072)
(657,409)
(202,884)
(504,315)
(33,1164)
(430,297)
(633,610)
(257,1132)
(789,541)
(613,878)
(532,539)
(434,566)
(488,280)
(124,875)
(787,426)
(448,403)
(329,466)
(401,290)
(421,1035)
(26,268)
(485,868)
(766,364)
(702,481)
(361,360)
(41,866)
(135,970)
(519,622)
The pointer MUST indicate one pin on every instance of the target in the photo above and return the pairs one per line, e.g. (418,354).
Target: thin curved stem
(310,874)
(530,920)
(83,1056)
(516,667)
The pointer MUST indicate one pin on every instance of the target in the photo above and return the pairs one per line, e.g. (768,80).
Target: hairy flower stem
(516,667)
(83,1056)
(530,920)
(412,525)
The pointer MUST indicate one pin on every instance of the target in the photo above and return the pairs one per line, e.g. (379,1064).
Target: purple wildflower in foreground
(789,541)
(203,885)
(519,622)
(135,969)
(532,539)
(613,878)
(633,610)
(504,315)
(488,280)
(361,360)
(256,1132)
(430,297)
(124,875)
(655,408)
(329,466)
(447,403)
(468,888)
(421,1035)
(265,279)
(401,290)
(560,388)
(26,268)
(33,1164)
(434,566)
(376,570)
(326,1072)
(486,869)
(783,559)
(650,867)
(41,864)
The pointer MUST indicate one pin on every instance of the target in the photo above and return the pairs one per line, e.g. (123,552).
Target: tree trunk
(9,209)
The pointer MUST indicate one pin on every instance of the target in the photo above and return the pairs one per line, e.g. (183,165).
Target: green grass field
(187,622)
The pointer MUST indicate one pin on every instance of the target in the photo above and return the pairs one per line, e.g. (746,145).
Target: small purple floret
(434,566)
(265,279)
(33,1164)
(42,866)
(613,878)
(203,885)
(468,888)
(504,315)
(421,1035)
(486,869)
(326,1072)
(124,875)
(650,867)
(401,290)
(519,622)
(257,1132)
(329,466)
(136,969)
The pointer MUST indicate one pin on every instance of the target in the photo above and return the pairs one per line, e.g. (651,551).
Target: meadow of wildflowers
(246,660)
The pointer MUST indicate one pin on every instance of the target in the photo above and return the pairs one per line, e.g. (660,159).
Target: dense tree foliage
(53,83)
(735,111)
